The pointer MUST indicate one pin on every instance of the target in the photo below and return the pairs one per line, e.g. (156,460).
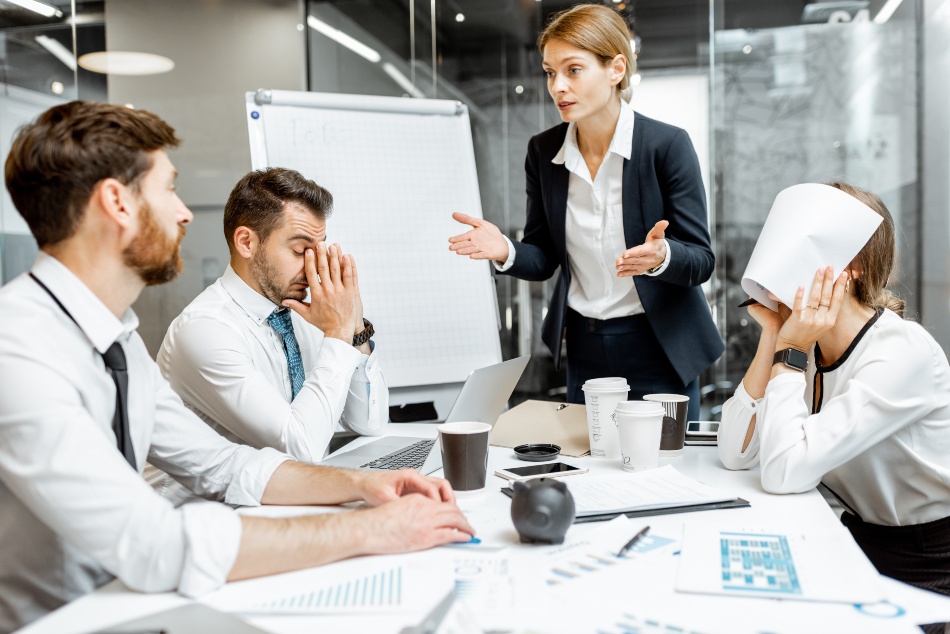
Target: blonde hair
(597,29)
(876,258)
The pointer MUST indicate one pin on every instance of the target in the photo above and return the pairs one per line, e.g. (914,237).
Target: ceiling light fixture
(342,38)
(887,11)
(57,87)
(126,63)
(57,50)
(460,17)
(38,7)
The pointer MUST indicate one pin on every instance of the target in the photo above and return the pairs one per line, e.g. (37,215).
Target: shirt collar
(94,318)
(620,143)
(257,307)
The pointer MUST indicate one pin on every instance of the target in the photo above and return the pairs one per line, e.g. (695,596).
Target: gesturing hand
(483,242)
(334,294)
(652,253)
(808,322)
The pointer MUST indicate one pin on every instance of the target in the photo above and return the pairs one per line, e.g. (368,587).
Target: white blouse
(881,440)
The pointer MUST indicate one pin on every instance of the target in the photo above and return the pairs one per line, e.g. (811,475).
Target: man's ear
(115,201)
(246,242)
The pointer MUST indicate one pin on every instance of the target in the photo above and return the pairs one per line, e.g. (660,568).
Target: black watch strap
(366,335)
(792,358)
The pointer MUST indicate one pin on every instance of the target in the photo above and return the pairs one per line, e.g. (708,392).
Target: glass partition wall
(38,52)
(825,92)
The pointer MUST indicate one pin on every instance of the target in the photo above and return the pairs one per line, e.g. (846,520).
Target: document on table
(653,489)
(355,586)
(777,564)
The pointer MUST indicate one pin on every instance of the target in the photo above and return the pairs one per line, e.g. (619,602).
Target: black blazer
(660,181)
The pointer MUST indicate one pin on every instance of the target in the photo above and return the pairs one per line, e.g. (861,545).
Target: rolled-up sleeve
(65,469)
(203,460)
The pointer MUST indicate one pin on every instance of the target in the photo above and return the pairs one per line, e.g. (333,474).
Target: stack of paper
(663,488)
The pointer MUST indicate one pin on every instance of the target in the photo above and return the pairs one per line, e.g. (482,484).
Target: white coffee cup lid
(607,380)
(606,387)
(646,408)
(673,398)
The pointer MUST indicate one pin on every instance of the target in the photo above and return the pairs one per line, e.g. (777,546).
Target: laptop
(482,399)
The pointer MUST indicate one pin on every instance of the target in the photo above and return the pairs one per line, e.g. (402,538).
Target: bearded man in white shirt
(84,406)
(256,371)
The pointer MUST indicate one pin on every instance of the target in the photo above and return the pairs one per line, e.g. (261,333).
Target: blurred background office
(772,92)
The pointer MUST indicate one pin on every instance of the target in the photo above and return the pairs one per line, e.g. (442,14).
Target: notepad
(662,488)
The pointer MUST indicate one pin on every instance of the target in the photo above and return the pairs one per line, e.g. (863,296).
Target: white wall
(681,100)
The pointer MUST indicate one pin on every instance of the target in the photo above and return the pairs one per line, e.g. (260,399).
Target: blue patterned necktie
(280,322)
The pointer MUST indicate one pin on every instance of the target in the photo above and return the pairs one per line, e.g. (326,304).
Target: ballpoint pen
(633,541)
(748,302)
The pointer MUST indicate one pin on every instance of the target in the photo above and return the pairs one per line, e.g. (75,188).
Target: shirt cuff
(338,354)
(745,399)
(666,261)
(248,488)
(212,540)
(511,258)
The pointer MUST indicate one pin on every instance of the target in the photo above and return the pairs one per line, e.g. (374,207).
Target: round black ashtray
(537,453)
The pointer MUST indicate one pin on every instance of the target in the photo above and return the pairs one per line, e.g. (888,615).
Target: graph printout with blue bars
(758,563)
(381,590)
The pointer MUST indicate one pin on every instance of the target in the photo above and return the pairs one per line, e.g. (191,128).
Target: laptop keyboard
(411,457)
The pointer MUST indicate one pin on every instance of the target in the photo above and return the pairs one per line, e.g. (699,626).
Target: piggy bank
(542,510)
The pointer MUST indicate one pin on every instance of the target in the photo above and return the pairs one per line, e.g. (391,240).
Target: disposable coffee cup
(675,408)
(465,456)
(600,400)
(639,424)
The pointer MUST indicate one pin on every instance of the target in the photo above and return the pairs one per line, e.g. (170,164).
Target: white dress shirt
(594,227)
(72,511)
(881,440)
(228,365)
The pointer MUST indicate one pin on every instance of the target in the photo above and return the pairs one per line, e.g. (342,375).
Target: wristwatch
(366,335)
(792,358)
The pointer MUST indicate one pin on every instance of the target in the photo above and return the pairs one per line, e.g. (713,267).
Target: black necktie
(114,359)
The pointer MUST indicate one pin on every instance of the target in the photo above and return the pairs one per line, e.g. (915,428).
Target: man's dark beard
(154,256)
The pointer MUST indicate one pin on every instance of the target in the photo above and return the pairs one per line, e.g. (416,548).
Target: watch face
(796,359)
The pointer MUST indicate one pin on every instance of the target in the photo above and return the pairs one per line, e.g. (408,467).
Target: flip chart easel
(397,168)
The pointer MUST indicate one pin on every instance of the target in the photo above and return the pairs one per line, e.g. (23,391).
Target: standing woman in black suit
(616,201)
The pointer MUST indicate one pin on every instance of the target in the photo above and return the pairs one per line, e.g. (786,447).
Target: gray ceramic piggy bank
(542,511)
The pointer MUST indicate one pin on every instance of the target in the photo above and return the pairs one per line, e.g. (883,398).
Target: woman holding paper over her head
(844,392)
(616,202)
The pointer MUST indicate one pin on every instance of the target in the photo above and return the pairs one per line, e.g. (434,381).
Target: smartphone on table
(547,470)
(702,428)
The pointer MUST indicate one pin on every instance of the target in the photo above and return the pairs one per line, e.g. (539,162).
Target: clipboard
(562,424)
(737,503)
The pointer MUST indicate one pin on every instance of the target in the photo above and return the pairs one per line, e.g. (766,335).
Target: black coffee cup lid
(537,452)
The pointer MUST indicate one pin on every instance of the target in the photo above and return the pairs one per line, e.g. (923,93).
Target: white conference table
(114,604)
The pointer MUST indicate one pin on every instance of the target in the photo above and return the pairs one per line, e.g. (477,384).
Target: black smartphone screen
(541,469)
